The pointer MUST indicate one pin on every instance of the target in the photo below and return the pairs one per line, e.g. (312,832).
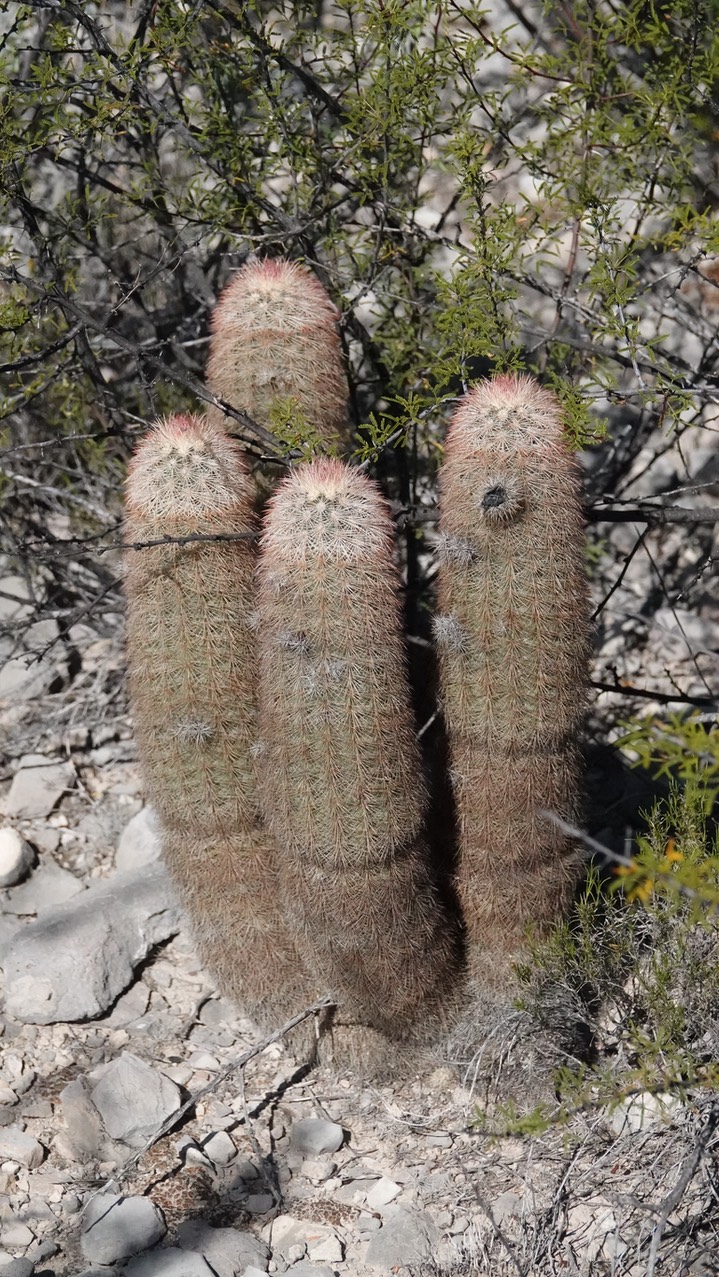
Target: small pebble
(219,1148)
(355,1190)
(179,1073)
(16,1235)
(42,1250)
(16,857)
(129,1006)
(329,1250)
(318,1169)
(406,1237)
(304,1269)
(217,1012)
(17,1268)
(45,838)
(18,1073)
(259,1203)
(140,841)
(47,982)
(384,1192)
(38,1210)
(227,1250)
(204,1061)
(369,1224)
(459,1225)
(82,1120)
(48,886)
(171,1262)
(194,1156)
(37,785)
(41,1108)
(134,1099)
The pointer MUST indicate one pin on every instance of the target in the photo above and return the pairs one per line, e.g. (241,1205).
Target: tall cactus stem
(274,339)
(341,772)
(512,636)
(191,676)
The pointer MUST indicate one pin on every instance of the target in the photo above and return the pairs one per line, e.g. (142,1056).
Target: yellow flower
(671,853)
(642,891)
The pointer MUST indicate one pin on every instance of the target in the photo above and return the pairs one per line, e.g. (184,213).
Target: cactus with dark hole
(512,635)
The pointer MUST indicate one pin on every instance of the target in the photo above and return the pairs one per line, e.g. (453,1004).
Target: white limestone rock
(315,1136)
(36,786)
(115,1227)
(75,961)
(134,1100)
(17,1145)
(140,841)
(16,857)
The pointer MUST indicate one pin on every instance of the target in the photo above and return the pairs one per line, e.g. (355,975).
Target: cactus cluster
(270,694)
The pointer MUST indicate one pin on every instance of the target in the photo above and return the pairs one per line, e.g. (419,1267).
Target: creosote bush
(630,984)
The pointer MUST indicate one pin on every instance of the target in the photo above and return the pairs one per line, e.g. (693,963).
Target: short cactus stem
(191,657)
(275,339)
(341,772)
(512,637)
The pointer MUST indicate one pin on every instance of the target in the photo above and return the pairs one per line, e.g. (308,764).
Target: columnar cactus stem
(340,768)
(512,633)
(192,666)
(275,338)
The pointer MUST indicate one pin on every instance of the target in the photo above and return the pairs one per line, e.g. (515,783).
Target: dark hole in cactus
(494,496)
